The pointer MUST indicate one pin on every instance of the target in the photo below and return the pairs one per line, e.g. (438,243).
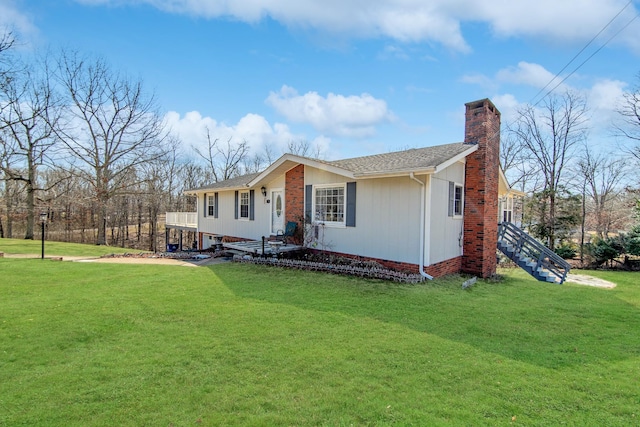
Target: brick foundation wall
(294,198)
(450,266)
(482,127)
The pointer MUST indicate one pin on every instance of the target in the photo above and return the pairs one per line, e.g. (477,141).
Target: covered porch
(182,222)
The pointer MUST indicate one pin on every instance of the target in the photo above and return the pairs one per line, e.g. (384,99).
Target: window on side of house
(456,198)
(211,205)
(244,204)
(329,204)
(507,212)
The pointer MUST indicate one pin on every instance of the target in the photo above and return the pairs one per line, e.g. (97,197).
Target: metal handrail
(527,246)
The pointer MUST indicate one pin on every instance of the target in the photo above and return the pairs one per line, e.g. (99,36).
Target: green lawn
(233,344)
(20,246)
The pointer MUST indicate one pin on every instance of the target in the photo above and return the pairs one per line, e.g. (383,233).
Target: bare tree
(268,154)
(304,148)
(259,161)
(27,131)
(7,40)
(223,160)
(112,127)
(520,171)
(629,127)
(550,135)
(602,174)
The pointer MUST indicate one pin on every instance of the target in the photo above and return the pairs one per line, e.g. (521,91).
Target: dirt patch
(583,279)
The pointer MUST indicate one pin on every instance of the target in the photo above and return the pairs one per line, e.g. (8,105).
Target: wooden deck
(254,247)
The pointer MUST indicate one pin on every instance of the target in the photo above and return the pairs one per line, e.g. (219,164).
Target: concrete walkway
(125,260)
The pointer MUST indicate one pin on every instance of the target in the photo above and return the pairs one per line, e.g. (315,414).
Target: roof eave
(507,189)
(292,160)
(457,158)
(395,173)
(207,189)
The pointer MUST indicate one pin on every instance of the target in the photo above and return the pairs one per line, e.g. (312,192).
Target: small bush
(604,250)
(566,251)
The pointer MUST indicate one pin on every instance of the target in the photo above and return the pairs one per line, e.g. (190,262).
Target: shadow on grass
(517,318)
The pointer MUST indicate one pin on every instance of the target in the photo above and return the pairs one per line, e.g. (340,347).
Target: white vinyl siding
(446,229)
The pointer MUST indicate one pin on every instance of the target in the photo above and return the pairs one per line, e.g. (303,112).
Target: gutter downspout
(422,207)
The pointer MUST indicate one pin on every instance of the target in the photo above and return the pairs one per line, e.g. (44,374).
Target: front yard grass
(107,344)
(34,247)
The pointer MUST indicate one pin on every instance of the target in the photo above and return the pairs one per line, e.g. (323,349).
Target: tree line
(581,193)
(87,145)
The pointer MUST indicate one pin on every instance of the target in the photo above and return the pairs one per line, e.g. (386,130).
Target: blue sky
(353,77)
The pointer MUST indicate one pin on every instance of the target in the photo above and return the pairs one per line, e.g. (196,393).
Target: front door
(277,212)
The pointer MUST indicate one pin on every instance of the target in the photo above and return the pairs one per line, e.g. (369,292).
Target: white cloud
(479,79)
(253,128)
(557,21)
(566,21)
(526,73)
(12,19)
(508,106)
(603,99)
(351,116)
(393,52)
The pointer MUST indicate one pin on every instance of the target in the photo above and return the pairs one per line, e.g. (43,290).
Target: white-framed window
(244,205)
(211,205)
(507,209)
(330,204)
(456,199)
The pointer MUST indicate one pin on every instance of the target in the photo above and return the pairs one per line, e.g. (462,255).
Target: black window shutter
(452,196)
(236,207)
(252,198)
(215,206)
(205,205)
(308,197)
(351,204)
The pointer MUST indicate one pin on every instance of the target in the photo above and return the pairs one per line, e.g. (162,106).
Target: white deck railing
(182,219)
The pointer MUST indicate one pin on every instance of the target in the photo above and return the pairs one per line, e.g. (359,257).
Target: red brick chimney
(480,240)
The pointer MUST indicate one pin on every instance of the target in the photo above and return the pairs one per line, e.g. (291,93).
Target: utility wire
(578,54)
(588,58)
(520,113)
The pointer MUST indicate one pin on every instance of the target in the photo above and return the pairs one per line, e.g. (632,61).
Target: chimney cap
(481,103)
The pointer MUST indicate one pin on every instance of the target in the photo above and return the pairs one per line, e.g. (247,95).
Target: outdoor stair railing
(531,255)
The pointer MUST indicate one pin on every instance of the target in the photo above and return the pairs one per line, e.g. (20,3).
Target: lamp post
(43,220)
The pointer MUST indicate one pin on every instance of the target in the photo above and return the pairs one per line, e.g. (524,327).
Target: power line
(578,54)
(589,57)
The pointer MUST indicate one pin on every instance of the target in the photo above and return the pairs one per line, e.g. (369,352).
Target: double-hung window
(330,204)
(244,204)
(456,195)
(507,209)
(211,205)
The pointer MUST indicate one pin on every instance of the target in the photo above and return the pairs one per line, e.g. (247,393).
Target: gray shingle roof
(413,159)
(237,182)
